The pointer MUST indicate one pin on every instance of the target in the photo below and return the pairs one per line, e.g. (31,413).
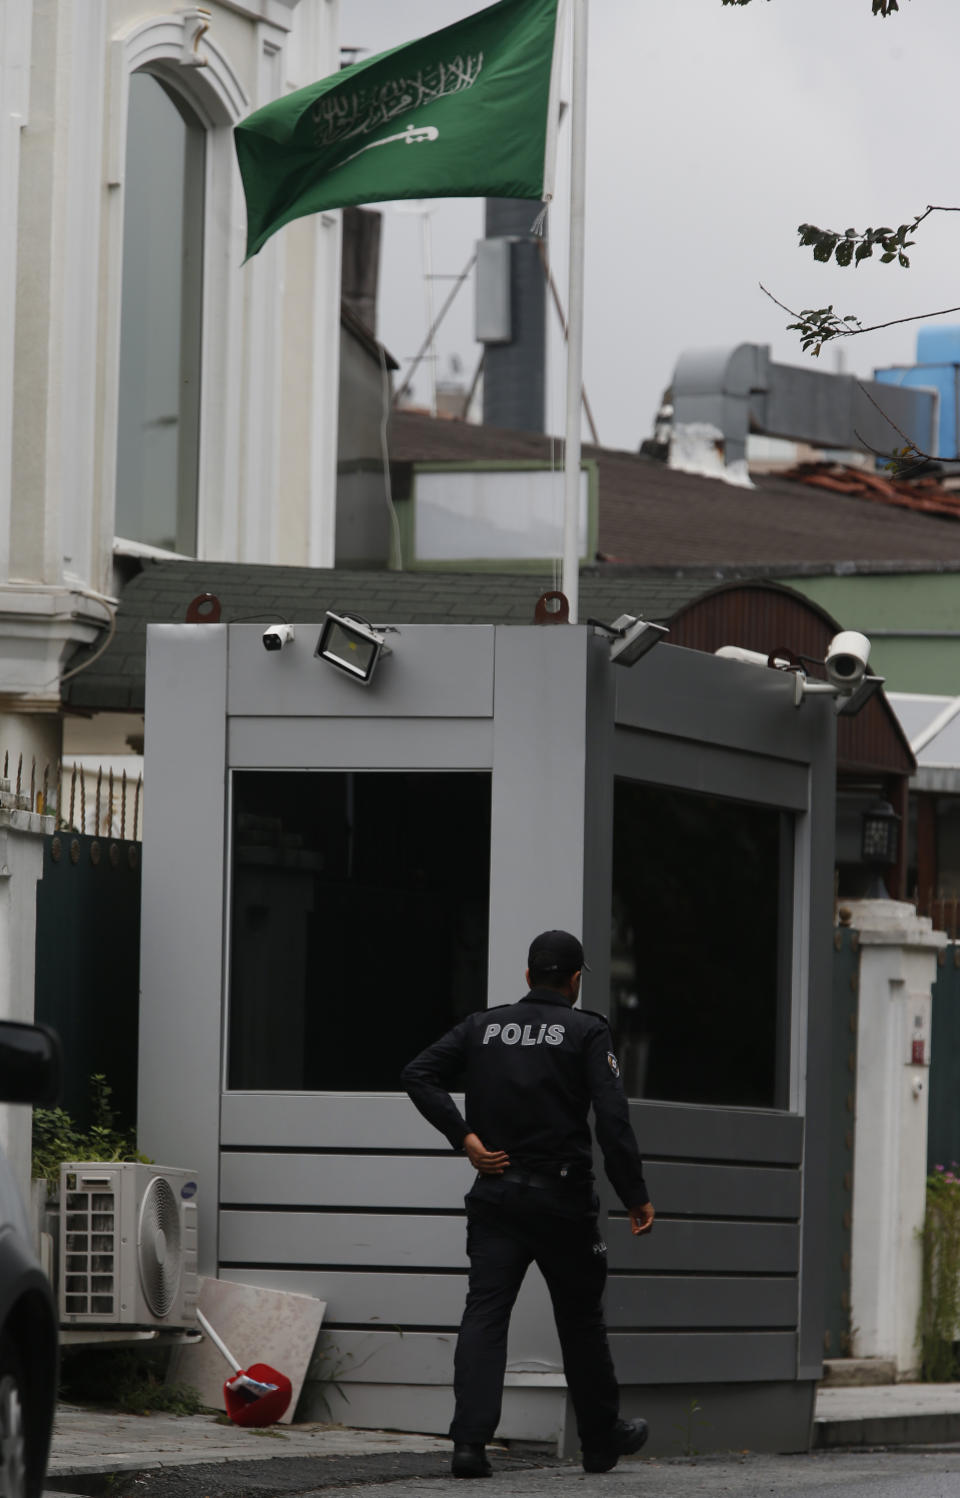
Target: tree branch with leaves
(854,246)
(820,325)
(880,7)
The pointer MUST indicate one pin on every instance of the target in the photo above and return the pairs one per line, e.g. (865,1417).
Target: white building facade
(155,392)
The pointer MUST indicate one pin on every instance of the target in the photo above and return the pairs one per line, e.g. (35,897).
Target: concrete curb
(894,1430)
(887,1415)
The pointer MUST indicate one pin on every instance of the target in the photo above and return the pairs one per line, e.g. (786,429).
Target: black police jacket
(532,1071)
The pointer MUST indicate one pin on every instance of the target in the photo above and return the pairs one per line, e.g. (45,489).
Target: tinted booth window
(359,923)
(702,893)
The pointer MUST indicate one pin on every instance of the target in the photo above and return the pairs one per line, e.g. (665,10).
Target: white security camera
(277,636)
(846,660)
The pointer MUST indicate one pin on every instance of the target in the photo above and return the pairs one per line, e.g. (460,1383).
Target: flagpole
(578,182)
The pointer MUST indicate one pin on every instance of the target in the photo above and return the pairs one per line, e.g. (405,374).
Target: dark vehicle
(29,1073)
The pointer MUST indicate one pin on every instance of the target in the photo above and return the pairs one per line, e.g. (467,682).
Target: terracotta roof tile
(925,495)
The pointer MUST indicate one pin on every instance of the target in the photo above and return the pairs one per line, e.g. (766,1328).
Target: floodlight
(859,697)
(352,645)
(630,637)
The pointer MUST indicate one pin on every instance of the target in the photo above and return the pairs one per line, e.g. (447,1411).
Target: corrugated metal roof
(918,712)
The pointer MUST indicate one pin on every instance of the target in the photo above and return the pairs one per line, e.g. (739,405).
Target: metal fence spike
(50,795)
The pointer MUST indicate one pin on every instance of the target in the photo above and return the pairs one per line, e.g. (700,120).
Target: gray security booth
(333,873)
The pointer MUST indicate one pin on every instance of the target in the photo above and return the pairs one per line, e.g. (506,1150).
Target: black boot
(627,1437)
(470,1460)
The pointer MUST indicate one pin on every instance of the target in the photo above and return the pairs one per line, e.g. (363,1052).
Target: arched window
(158,431)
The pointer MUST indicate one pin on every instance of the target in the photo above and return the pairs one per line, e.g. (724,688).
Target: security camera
(780,659)
(846,660)
(277,636)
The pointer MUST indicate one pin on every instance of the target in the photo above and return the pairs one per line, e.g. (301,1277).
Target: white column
(15,19)
(21,865)
(57,289)
(898,964)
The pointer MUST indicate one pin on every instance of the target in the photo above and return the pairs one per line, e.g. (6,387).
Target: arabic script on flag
(342,116)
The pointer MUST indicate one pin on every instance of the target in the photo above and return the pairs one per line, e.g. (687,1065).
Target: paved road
(917,1473)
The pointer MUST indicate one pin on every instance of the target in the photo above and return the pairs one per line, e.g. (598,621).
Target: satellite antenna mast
(422,208)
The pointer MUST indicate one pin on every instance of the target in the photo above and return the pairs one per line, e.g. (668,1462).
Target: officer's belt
(542,1181)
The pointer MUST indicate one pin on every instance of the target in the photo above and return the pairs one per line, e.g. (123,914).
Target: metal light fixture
(351,644)
(879,844)
(630,637)
(859,697)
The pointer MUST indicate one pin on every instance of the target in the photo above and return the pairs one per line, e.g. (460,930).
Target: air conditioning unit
(128,1245)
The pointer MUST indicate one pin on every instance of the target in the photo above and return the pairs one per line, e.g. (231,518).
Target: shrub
(57,1138)
(940,1298)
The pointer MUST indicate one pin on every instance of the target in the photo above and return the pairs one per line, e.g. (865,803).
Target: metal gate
(88,964)
(843,1103)
(943,1136)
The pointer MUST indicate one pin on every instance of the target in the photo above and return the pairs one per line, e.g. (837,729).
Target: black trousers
(511,1224)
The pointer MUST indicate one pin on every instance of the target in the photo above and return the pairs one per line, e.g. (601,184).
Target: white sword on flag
(578,182)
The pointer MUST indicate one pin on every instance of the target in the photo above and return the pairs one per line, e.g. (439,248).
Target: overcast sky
(713,132)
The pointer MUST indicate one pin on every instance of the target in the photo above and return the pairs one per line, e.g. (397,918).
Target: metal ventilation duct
(514,371)
(740,390)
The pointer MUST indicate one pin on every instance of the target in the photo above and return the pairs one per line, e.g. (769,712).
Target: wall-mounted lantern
(879,844)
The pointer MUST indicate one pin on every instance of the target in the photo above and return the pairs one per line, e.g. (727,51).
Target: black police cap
(556,952)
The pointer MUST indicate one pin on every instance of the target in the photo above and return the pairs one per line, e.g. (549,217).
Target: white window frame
(163,45)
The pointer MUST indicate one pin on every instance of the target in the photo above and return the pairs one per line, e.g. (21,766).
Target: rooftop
(655,516)
(114,682)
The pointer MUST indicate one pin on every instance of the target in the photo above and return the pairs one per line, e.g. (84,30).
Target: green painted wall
(881,606)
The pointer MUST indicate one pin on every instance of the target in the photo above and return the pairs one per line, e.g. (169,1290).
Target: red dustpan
(257,1395)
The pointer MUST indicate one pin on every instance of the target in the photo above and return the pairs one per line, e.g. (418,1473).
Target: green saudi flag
(469,111)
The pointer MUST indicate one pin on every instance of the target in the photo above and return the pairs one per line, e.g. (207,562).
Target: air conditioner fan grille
(158,1246)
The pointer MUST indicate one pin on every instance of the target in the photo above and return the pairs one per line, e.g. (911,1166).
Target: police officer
(533,1069)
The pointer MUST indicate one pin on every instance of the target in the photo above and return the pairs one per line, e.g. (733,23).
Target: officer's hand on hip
(641,1219)
(488,1162)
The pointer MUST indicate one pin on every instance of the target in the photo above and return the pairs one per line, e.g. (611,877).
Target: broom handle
(208,1330)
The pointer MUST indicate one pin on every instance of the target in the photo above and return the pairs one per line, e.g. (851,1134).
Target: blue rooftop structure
(938,368)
